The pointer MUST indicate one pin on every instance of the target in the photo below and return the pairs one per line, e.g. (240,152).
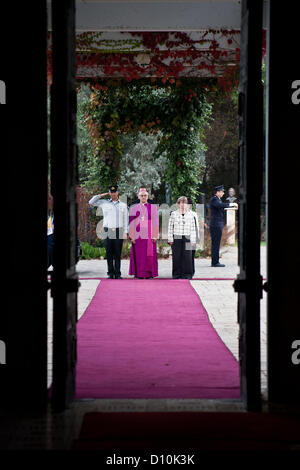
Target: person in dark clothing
(190,202)
(50,233)
(50,229)
(216,223)
(182,238)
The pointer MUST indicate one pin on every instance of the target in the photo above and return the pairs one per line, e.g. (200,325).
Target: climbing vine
(150,82)
(165,55)
(178,110)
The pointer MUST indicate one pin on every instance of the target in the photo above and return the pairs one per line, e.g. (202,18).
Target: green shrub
(99,243)
(126,249)
(95,252)
(92,252)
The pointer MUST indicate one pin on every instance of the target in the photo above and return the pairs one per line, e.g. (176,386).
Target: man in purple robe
(143,233)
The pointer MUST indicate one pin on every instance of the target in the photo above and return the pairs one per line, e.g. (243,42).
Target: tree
(139,166)
(94,173)
(177,110)
(221,139)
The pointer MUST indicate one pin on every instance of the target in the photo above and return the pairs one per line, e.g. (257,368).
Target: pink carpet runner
(151,339)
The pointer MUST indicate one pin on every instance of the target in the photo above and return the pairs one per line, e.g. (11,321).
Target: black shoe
(111,276)
(218,265)
(118,277)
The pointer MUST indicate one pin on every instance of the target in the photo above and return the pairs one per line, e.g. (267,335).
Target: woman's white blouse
(182,225)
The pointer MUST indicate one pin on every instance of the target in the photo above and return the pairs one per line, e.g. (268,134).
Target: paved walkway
(217,296)
(57,430)
(98,268)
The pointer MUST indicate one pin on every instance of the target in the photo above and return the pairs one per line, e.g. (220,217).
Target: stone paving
(98,268)
(217,296)
(58,430)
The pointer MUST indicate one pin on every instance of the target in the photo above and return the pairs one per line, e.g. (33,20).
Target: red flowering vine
(170,54)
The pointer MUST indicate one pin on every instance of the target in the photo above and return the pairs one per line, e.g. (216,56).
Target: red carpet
(151,339)
(167,278)
(189,430)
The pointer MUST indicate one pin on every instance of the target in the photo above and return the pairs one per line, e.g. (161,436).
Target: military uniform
(197,231)
(50,232)
(216,224)
(197,237)
(115,223)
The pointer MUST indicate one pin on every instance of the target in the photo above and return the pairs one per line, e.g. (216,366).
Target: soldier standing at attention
(216,223)
(115,223)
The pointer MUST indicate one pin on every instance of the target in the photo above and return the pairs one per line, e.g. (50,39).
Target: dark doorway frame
(25,336)
(249,282)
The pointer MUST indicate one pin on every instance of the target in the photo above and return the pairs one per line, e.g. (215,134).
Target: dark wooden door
(24,166)
(63,181)
(249,281)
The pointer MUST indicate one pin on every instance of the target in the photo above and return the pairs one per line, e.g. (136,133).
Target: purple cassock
(143,227)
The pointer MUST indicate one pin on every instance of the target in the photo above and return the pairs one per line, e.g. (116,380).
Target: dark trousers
(50,250)
(216,235)
(193,260)
(113,244)
(182,259)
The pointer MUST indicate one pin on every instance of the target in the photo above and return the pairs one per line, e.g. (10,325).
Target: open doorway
(169,82)
(24,333)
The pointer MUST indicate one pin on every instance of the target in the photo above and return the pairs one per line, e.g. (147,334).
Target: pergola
(156,38)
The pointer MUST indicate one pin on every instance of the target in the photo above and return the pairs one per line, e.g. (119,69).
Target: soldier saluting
(216,223)
(115,224)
